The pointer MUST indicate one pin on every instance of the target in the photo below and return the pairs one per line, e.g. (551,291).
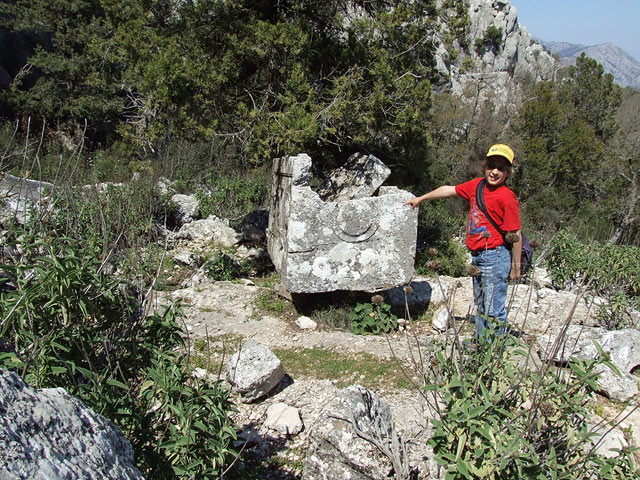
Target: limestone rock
(305,323)
(493,74)
(284,419)
(189,259)
(211,229)
(621,346)
(48,434)
(254,371)
(187,208)
(441,319)
(607,439)
(336,452)
(19,195)
(360,177)
(365,244)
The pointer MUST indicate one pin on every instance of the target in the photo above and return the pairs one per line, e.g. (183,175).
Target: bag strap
(483,208)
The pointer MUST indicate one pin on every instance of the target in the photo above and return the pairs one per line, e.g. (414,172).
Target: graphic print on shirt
(475,217)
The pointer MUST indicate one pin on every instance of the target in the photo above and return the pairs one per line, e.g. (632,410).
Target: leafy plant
(438,252)
(611,270)
(67,323)
(374,317)
(492,39)
(498,421)
(221,267)
(234,195)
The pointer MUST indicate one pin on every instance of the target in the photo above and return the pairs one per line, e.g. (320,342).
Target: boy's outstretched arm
(441,192)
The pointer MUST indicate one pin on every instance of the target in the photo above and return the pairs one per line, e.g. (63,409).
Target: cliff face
(490,66)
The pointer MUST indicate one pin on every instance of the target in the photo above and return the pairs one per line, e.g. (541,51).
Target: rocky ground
(234,312)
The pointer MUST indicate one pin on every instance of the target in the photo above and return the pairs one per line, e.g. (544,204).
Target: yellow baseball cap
(502,150)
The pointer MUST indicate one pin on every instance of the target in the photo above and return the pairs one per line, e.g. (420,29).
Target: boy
(497,262)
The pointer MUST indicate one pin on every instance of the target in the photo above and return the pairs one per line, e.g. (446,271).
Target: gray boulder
(338,451)
(187,208)
(621,346)
(254,371)
(359,177)
(211,229)
(48,434)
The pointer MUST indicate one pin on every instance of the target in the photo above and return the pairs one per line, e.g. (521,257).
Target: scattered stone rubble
(358,243)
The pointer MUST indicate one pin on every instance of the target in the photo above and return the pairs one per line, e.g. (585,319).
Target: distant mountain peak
(624,68)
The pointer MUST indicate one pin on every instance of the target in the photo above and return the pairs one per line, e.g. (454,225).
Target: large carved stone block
(364,244)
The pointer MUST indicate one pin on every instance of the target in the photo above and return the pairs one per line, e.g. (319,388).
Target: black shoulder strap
(483,208)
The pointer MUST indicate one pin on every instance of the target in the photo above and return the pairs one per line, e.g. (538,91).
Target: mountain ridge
(624,68)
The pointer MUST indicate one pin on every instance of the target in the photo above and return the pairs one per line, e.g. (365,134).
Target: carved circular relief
(354,223)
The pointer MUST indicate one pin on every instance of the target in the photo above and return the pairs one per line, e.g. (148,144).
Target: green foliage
(369,371)
(372,318)
(270,302)
(567,162)
(492,39)
(116,223)
(607,269)
(66,323)
(456,17)
(234,195)
(69,77)
(438,252)
(221,267)
(497,421)
(612,271)
(252,80)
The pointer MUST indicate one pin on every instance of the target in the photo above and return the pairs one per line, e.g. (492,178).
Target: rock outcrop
(620,346)
(494,72)
(48,434)
(19,195)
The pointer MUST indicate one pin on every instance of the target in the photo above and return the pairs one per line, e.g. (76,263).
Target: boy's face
(496,170)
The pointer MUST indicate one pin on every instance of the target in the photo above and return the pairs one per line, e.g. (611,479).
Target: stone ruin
(342,236)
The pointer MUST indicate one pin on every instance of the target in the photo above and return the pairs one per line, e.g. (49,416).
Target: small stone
(305,323)
(284,419)
(440,320)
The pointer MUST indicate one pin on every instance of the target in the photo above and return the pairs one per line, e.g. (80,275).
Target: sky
(583,22)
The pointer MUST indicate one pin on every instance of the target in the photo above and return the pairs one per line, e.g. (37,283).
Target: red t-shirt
(501,204)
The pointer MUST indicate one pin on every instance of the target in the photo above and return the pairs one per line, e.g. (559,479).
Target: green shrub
(66,323)
(492,39)
(234,195)
(374,317)
(607,269)
(438,252)
(497,420)
(221,267)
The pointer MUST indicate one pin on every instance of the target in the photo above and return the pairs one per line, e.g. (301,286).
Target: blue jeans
(490,288)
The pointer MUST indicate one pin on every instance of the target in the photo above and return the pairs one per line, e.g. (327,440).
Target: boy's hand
(514,274)
(414,202)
